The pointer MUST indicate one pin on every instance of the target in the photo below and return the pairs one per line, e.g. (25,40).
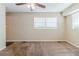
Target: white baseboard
(2,48)
(32,40)
(73,44)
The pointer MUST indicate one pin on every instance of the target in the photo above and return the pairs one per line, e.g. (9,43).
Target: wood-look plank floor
(40,49)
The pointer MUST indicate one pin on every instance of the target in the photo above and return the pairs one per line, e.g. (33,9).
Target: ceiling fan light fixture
(31,5)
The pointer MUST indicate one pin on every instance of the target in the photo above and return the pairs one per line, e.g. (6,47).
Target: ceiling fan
(32,5)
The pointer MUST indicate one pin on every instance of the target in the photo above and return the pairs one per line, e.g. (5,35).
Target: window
(75,20)
(45,23)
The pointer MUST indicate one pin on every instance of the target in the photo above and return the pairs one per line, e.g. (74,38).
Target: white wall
(2,27)
(20,28)
(72,34)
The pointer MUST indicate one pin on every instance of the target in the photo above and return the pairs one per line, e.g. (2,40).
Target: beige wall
(20,27)
(2,27)
(72,34)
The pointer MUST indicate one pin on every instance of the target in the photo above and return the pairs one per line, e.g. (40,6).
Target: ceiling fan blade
(20,3)
(40,5)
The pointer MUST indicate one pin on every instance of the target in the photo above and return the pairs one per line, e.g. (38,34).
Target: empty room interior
(39,29)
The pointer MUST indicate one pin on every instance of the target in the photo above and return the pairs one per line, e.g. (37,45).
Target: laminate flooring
(40,49)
